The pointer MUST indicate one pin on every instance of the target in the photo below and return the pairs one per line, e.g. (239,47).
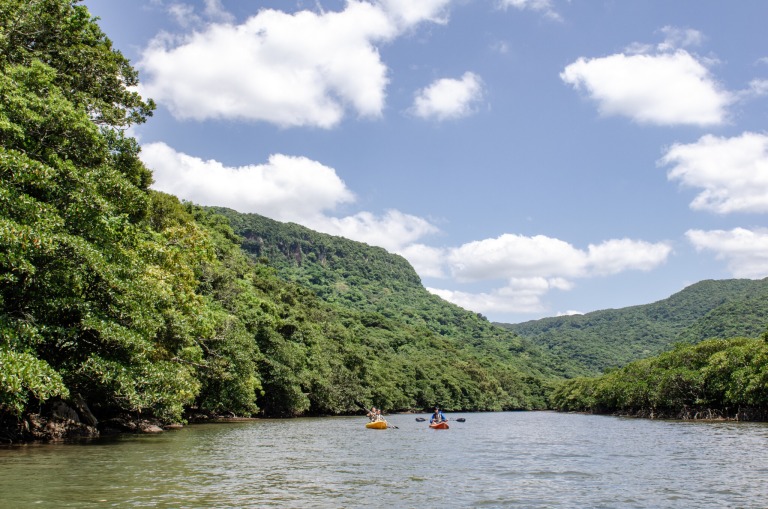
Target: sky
(529,158)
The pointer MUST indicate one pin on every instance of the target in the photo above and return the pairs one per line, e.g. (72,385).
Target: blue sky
(530,158)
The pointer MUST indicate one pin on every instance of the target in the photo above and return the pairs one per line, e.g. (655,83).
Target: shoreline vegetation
(716,378)
(123,309)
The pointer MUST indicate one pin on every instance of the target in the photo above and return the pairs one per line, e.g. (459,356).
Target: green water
(525,460)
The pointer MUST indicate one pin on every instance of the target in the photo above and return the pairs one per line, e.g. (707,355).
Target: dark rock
(150,428)
(84,412)
(60,411)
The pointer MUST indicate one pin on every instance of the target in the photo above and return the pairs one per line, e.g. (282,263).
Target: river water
(507,459)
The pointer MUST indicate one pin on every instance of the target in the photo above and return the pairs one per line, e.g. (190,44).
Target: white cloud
(618,255)
(542,6)
(409,12)
(449,98)
(515,256)
(260,70)
(510,256)
(667,89)
(758,87)
(394,231)
(733,172)
(426,260)
(216,11)
(520,295)
(186,15)
(746,251)
(286,188)
(534,266)
(676,38)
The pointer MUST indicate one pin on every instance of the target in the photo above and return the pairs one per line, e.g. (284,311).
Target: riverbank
(60,422)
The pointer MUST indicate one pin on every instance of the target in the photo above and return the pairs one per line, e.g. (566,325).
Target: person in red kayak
(437,417)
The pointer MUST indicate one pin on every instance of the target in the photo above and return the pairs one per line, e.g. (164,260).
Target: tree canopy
(138,304)
(716,378)
(612,338)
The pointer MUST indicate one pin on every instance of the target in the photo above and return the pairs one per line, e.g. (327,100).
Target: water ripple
(496,460)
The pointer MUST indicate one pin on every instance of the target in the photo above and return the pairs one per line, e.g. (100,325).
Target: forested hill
(382,286)
(615,337)
(119,303)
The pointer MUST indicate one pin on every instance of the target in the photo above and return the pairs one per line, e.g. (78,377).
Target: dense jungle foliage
(716,378)
(369,279)
(124,300)
(612,338)
(128,301)
(381,286)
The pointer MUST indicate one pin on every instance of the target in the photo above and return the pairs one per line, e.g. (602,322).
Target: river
(506,459)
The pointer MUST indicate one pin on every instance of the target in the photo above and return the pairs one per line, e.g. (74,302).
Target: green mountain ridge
(371,280)
(611,338)
(381,285)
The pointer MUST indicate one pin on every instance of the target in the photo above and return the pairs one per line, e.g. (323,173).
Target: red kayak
(439,425)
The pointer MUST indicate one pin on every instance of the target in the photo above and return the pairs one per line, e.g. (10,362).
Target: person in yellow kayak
(374,414)
(437,417)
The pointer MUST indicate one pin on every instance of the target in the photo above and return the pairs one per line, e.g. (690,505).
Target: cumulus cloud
(408,13)
(515,256)
(216,11)
(427,261)
(260,70)
(394,231)
(286,188)
(510,256)
(618,255)
(757,88)
(520,295)
(449,98)
(186,15)
(667,88)
(746,251)
(533,266)
(676,37)
(504,300)
(542,6)
(733,172)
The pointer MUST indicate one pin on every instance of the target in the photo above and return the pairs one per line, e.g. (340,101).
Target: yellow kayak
(377,425)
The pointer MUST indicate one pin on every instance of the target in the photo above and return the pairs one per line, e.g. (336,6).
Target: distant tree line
(716,378)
